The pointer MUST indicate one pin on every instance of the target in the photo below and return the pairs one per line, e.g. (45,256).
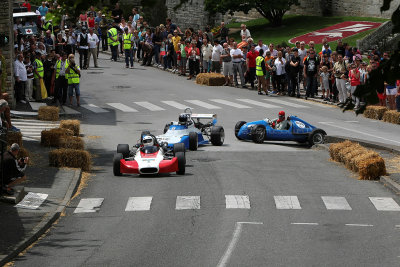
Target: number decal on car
(300,124)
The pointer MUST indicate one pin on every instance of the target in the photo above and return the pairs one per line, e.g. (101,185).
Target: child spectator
(324,80)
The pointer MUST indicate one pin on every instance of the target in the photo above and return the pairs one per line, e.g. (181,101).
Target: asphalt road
(242,204)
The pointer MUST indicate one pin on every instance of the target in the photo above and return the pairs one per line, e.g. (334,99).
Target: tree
(273,10)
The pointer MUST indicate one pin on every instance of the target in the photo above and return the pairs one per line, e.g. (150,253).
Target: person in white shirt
(82,41)
(206,51)
(93,41)
(20,74)
(280,73)
(244,32)
(216,57)
(261,46)
(237,59)
(274,52)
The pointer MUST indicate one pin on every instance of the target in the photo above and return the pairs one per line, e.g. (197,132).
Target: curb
(46,223)
(384,180)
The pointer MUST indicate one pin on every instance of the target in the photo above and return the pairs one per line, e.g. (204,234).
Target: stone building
(6,26)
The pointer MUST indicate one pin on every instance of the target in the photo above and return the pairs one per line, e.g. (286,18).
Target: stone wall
(6,26)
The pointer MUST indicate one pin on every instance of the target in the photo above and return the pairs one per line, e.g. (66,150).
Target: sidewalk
(20,227)
(30,110)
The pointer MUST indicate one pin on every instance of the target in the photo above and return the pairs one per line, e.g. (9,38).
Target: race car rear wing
(204,116)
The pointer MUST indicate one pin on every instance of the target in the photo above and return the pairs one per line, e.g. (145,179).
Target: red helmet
(281,113)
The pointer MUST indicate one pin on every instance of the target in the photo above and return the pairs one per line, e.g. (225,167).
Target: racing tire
(181,163)
(143,134)
(179,147)
(316,137)
(193,141)
(123,149)
(217,136)
(117,164)
(258,134)
(239,125)
(166,127)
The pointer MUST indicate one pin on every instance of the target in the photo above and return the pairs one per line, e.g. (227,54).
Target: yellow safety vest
(39,69)
(114,34)
(59,68)
(73,77)
(127,41)
(259,70)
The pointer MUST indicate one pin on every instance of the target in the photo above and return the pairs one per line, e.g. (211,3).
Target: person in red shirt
(193,56)
(251,64)
(90,20)
(27,5)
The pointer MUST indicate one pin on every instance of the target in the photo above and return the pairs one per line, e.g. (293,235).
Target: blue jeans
(167,62)
(157,53)
(311,85)
(128,57)
(71,88)
(398,103)
(114,52)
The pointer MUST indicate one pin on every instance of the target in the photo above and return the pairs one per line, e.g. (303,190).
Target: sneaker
(23,101)
(244,86)
(131,67)
(14,129)
(260,93)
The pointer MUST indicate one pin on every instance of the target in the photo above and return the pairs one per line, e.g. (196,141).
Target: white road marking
(359,224)
(202,104)
(229,103)
(287,202)
(322,105)
(32,138)
(352,121)
(385,203)
(187,202)
(138,203)
(232,245)
(287,103)
(36,105)
(237,202)
(305,223)
(36,128)
(397,226)
(258,103)
(32,201)
(336,203)
(175,104)
(70,111)
(89,205)
(149,106)
(94,108)
(122,107)
(359,132)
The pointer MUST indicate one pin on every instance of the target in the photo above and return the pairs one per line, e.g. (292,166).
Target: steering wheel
(188,111)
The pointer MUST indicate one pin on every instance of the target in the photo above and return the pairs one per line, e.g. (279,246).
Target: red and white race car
(149,158)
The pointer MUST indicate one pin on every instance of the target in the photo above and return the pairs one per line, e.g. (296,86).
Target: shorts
(227,68)
(268,75)
(183,62)
(216,66)
(391,91)
(71,88)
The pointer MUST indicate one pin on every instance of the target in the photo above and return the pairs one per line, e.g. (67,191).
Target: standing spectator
(354,79)
(261,72)
(104,30)
(3,71)
(206,51)
(268,65)
(227,65)
(192,54)
(261,46)
(48,41)
(27,5)
(244,32)
(157,41)
(83,48)
(61,81)
(48,67)
(60,44)
(251,64)
(294,69)
(93,41)
(29,80)
(98,32)
(274,53)
(170,51)
(38,74)
(339,70)
(71,42)
(176,39)
(340,48)
(168,23)
(398,96)
(74,74)
(20,78)
(209,34)
(237,56)
(117,13)
(311,45)
(310,73)
(135,14)
(184,49)
(43,9)
(83,19)
(216,57)
(224,33)
(324,81)
(91,20)
(98,18)
(128,48)
(280,74)
(327,62)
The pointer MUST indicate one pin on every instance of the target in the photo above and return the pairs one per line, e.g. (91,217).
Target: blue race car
(296,130)
(191,132)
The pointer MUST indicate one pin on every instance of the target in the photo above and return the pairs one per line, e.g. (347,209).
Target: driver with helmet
(184,119)
(148,141)
(280,123)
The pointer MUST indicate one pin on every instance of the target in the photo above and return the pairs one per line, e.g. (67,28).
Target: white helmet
(148,141)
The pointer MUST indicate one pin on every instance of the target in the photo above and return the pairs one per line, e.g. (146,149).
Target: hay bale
(372,169)
(72,142)
(48,113)
(351,155)
(52,137)
(391,116)
(357,160)
(70,158)
(14,137)
(74,125)
(334,149)
(375,112)
(210,79)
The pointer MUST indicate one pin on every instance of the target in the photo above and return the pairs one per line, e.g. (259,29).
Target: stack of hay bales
(48,113)
(210,79)
(65,157)
(375,112)
(369,164)
(392,116)
(53,137)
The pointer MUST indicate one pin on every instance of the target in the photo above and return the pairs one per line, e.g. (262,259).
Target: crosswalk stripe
(229,103)
(149,106)
(287,202)
(122,107)
(32,201)
(138,203)
(38,127)
(89,205)
(187,203)
(94,108)
(237,202)
(35,124)
(36,105)
(175,104)
(31,138)
(203,104)
(258,103)
(385,203)
(336,203)
(287,103)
